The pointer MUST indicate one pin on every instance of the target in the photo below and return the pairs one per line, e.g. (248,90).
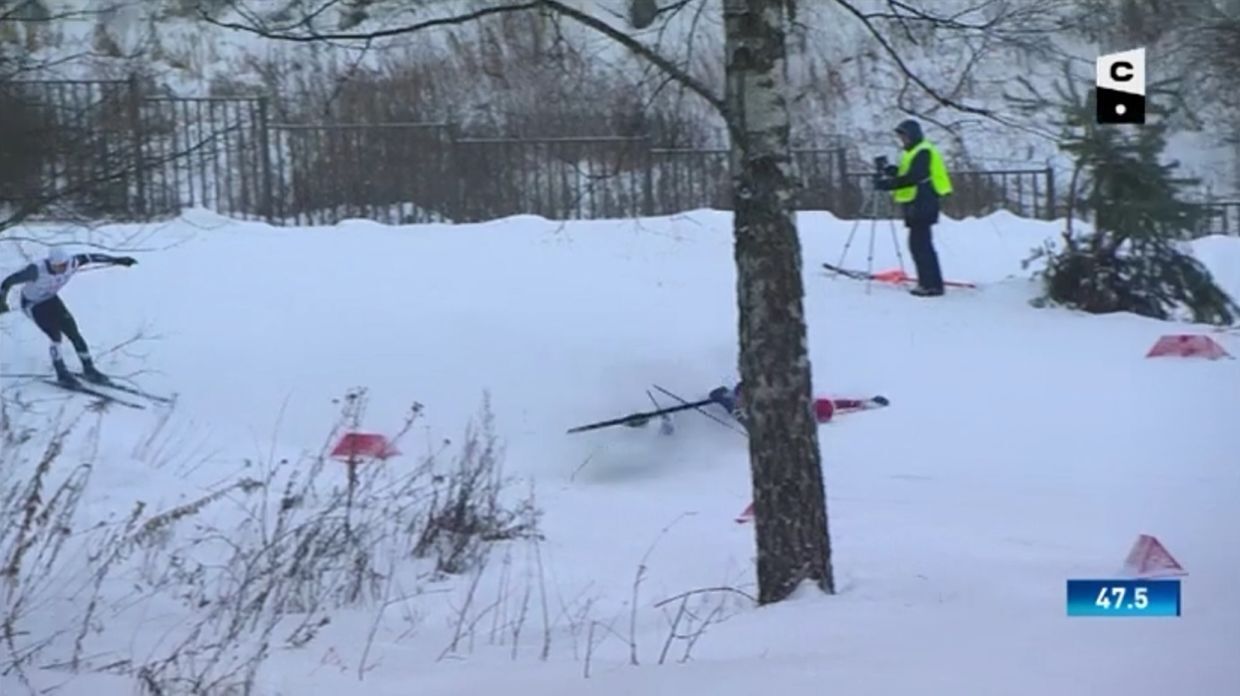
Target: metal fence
(73,142)
(1221,217)
(207,153)
(1025,192)
(106,150)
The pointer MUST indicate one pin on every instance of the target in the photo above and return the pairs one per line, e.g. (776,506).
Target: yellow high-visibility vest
(939,179)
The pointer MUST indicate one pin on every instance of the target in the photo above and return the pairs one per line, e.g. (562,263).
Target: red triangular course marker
(746,516)
(1187,346)
(1149,559)
(363,446)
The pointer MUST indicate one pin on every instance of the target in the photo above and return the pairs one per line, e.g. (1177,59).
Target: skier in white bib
(41,282)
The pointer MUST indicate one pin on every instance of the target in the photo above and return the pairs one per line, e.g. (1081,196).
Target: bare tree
(790,517)
(1207,36)
(793,537)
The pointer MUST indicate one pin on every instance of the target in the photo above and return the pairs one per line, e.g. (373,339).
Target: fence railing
(75,138)
(206,152)
(1220,217)
(105,149)
(1025,192)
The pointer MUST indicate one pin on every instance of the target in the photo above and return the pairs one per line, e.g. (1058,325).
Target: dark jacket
(924,209)
(30,272)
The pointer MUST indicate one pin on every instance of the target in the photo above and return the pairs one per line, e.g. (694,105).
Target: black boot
(63,375)
(93,375)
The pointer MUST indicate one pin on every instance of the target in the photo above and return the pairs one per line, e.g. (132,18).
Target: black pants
(53,318)
(925,258)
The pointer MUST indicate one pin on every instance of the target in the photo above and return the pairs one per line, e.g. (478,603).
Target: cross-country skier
(41,282)
(732,401)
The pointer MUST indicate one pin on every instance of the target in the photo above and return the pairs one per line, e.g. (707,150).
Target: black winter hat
(911,130)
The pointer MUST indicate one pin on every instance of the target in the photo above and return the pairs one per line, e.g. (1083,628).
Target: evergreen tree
(1133,259)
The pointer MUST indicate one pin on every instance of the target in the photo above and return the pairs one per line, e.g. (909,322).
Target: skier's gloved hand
(891,170)
(125,261)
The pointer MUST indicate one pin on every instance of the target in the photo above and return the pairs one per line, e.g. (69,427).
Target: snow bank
(1221,255)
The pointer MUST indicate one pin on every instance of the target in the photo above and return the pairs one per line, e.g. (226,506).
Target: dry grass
(257,564)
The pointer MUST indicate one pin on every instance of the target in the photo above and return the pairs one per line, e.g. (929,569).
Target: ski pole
(637,418)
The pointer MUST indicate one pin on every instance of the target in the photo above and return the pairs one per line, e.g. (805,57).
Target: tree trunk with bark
(790,512)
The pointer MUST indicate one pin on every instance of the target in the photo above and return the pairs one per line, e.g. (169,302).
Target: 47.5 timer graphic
(1123,598)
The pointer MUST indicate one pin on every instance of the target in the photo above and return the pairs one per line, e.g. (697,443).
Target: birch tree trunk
(790,514)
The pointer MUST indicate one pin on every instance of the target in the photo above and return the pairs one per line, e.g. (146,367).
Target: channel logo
(1120,81)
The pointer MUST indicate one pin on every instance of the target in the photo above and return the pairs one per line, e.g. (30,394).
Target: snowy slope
(1023,447)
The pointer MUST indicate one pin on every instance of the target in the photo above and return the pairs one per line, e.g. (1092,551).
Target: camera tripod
(872,207)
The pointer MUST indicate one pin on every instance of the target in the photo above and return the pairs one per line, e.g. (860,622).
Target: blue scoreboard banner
(1123,597)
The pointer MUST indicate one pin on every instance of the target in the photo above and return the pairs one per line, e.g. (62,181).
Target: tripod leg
(872,206)
(869,262)
(895,242)
(875,210)
(848,243)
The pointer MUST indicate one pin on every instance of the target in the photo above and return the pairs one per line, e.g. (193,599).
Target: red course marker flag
(746,516)
(364,446)
(1187,346)
(1149,559)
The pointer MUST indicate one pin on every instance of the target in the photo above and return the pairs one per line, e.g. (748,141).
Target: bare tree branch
(891,51)
(301,32)
(26,13)
(637,48)
(308,34)
(898,11)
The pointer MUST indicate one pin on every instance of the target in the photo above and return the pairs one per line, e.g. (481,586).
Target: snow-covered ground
(1023,447)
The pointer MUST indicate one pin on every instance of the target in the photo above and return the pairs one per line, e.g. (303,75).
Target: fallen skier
(730,400)
(824,408)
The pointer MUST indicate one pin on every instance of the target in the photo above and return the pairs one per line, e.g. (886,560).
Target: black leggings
(54,319)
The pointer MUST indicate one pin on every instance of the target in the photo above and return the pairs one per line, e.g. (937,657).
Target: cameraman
(917,184)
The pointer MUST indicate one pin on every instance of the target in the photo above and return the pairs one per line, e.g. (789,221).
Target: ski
(704,412)
(110,385)
(137,392)
(87,391)
(842,407)
(847,273)
(892,277)
(635,420)
(851,405)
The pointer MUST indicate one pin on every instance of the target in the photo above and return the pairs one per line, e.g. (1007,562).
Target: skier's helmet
(58,259)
